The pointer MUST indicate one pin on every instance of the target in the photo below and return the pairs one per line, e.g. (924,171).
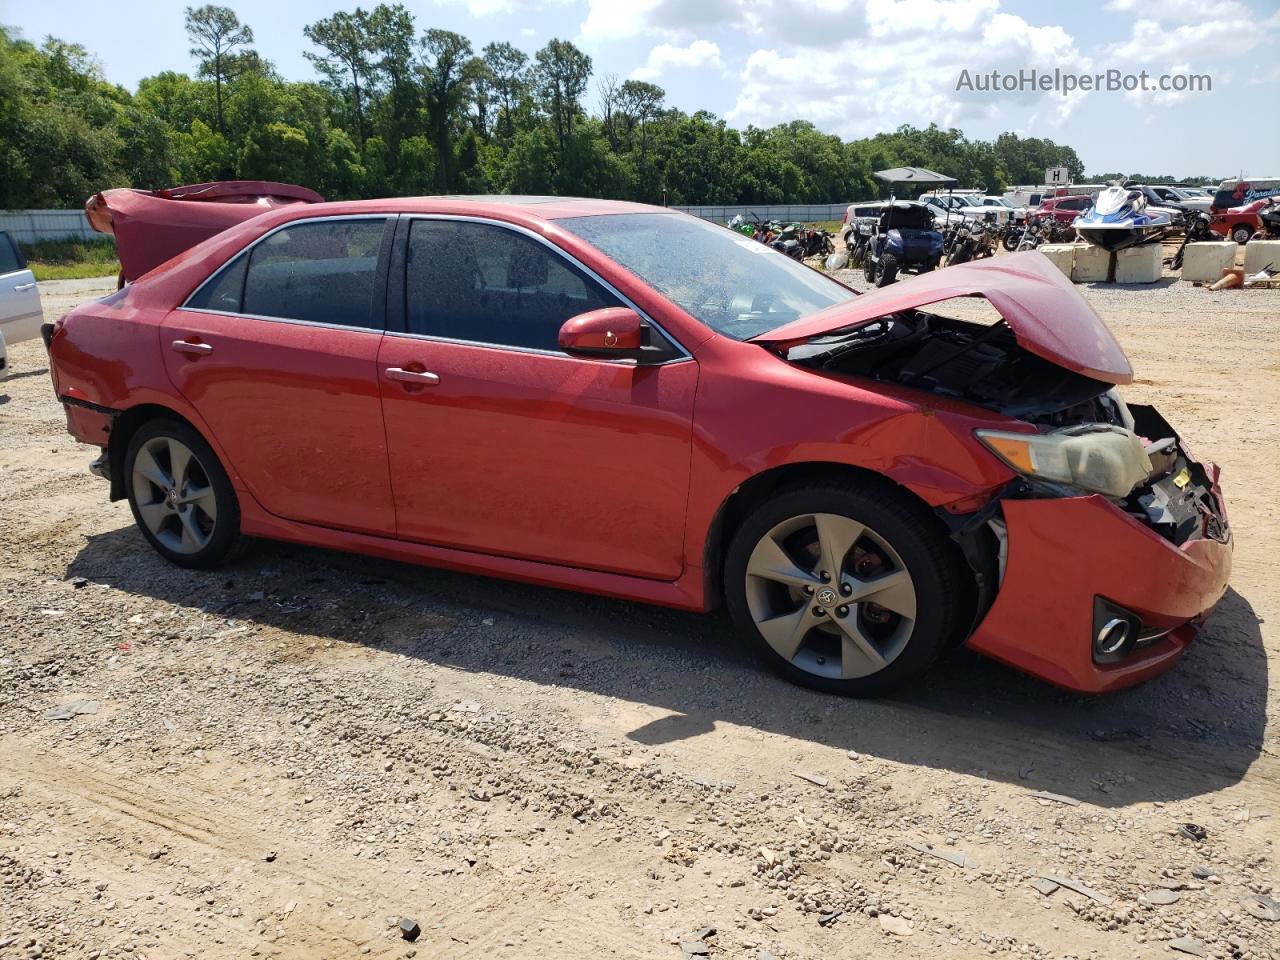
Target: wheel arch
(122,431)
(741,500)
(975,551)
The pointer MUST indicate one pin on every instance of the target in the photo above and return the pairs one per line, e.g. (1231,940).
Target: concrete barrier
(1061,255)
(1259,254)
(1140,264)
(1091,264)
(1204,262)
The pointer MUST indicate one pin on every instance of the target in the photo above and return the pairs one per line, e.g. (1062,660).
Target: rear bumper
(1062,554)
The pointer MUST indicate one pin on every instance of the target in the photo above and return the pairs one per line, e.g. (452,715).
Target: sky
(852,67)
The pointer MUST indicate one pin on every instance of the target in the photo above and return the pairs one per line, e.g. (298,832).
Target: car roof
(517,206)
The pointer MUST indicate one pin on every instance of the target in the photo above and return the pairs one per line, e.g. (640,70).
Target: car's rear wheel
(1241,233)
(182,499)
(849,590)
(888,270)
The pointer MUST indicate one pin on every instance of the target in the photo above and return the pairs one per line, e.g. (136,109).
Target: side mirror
(610,332)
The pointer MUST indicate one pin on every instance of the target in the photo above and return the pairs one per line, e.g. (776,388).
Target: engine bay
(982,364)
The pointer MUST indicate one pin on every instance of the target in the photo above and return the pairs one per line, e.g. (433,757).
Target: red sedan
(1063,209)
(620,399)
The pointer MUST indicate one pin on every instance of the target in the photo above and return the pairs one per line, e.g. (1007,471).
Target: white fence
(28,226)
(804,212)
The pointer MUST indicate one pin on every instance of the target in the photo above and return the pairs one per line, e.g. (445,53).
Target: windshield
(736,286)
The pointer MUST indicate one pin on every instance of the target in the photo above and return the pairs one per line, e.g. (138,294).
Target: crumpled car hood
(1042,308)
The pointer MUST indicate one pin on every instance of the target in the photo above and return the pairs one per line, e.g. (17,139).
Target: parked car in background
(1063,209)
(971,206)
(622,399)
(1240,223)
(150,226)
(1168,196)
(867,211)
(1025,197)
(20,312)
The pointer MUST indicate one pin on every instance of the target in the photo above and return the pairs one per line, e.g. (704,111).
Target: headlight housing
(1097,457)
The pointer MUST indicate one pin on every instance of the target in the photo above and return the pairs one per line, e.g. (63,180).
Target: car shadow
(1194,730)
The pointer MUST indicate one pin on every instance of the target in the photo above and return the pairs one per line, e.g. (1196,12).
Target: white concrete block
(1091,264)
(1061,255)
(1140,264)
(1204,262)
(1259,254)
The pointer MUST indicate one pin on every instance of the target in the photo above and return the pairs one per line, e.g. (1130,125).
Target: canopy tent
(915,175)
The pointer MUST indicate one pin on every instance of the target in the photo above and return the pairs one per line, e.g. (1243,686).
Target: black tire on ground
(1241,233)
(930,558)
(224,540)
(869,268)
(888,270)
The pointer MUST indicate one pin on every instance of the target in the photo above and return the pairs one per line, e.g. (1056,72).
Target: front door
(500,442)
(278,354)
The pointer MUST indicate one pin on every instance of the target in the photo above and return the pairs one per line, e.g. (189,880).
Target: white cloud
(1182,11)
(490,8)
(905,70)
(700,53)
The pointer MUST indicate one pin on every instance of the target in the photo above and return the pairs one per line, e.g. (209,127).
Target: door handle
(194,349)
(24,286)
(419,377)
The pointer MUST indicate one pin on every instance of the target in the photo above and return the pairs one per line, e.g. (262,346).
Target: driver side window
(487,284)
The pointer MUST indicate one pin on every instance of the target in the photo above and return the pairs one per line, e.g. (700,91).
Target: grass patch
(74,271)
(71,259)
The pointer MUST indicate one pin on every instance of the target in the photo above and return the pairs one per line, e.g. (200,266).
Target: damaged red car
(620,399)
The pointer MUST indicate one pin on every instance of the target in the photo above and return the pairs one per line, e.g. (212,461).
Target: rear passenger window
(321,272)
(485,284)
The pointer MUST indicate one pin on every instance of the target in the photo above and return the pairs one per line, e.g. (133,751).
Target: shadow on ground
(1195,730)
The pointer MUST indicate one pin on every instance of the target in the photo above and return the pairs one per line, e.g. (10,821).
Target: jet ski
(1119,218)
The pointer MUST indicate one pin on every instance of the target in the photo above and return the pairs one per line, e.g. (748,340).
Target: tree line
(399,110)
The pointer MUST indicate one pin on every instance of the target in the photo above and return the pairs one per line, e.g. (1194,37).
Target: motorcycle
(1196,230)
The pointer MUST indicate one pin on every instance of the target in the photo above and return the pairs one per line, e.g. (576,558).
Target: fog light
(1115,631)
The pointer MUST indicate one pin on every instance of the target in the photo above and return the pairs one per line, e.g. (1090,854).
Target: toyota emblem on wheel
(826,596)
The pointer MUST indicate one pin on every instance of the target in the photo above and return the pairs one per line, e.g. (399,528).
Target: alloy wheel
(174,496)
(830,595)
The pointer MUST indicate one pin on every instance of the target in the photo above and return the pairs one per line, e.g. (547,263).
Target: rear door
(501,442)
(20,313)
(278,352)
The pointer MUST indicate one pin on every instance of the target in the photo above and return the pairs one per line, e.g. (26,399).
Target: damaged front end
(1095,563)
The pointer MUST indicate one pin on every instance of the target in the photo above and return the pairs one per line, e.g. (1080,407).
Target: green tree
(447,69)
(560,79)
(216,34)
(509,68)
(347,39)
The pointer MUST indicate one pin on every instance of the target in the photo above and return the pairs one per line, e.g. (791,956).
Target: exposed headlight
(1095,456)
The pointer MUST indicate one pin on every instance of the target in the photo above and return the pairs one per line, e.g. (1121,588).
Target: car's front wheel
(180,495)
(846,589)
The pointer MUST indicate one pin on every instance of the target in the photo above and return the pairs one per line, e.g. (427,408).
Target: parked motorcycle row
(794,239)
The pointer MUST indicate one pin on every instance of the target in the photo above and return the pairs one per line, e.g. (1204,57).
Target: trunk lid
(1041,307)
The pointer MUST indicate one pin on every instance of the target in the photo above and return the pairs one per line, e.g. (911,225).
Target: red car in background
(1063,209)
(626,400)
(1240,223)
(150,226)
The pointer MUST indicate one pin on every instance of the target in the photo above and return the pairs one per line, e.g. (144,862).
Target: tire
(869,269)
(888,270)
(196,525)
(1241,233)
(898,538)
(1011,240)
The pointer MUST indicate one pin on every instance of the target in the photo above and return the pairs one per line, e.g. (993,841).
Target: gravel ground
(287,757)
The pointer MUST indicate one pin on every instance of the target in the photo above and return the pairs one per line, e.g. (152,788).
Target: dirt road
(287,757)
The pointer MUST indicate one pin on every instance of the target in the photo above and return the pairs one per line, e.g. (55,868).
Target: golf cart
(905,239)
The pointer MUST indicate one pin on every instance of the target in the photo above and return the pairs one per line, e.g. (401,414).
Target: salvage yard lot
(289,755)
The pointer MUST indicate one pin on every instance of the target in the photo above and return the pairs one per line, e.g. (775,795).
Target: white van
(1236,193)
